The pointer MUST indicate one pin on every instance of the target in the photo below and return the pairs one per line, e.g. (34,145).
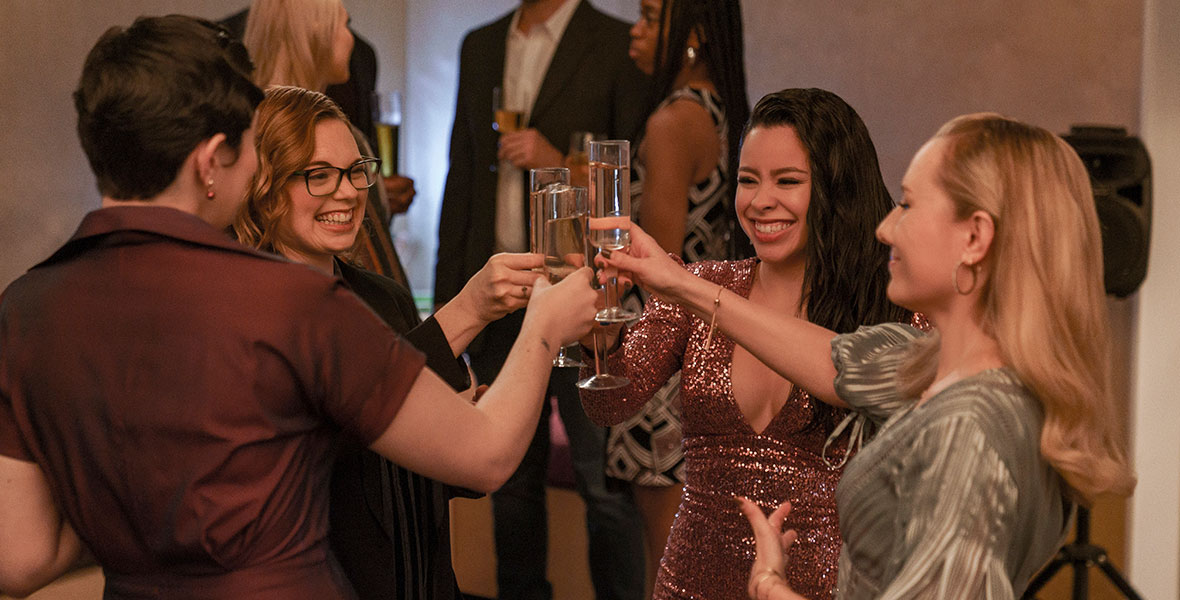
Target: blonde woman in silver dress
(991,429)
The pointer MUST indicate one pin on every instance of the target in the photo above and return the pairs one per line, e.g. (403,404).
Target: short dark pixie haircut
(151,92)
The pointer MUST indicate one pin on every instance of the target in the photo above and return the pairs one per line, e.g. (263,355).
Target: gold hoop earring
(973,269)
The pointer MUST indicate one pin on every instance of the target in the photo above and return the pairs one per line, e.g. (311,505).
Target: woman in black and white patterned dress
(682,193)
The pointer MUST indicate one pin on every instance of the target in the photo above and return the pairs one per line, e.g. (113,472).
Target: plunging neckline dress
(710,548)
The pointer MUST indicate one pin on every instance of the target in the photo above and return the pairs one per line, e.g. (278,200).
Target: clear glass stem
(598,350)
(612,293)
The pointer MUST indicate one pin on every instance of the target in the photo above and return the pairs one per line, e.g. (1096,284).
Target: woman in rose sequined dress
(809,196)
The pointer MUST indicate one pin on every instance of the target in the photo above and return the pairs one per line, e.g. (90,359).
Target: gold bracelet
(713,319)
(761,578)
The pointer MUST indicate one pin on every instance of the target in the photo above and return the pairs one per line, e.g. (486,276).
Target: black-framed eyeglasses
(324,181)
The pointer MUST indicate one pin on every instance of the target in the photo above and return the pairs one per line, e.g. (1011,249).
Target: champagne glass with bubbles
(563,240)
(541,180)
(610,214)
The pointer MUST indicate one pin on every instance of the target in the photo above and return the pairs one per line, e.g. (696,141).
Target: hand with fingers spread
(528,149)
(502,286)
(767,576)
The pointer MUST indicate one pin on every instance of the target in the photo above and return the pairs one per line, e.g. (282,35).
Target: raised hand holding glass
(563,240)
(610,214)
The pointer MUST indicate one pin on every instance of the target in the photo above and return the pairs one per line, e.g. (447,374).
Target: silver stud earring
(691,53)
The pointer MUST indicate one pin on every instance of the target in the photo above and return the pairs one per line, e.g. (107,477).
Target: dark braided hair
(846,271)
(718,24)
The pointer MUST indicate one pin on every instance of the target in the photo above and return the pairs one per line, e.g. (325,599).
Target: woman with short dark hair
(171,399)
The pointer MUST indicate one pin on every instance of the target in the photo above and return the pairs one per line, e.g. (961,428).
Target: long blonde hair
(1043,299)
(291,41)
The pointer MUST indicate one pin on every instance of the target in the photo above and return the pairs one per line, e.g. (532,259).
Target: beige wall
(47,185)
(1155,522)
(909,66)
(906,66)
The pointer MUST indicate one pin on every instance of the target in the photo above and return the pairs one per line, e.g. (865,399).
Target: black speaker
(1120,175)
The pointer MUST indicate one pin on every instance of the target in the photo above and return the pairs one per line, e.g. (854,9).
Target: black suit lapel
(498,51)
(491,73)
(573,47)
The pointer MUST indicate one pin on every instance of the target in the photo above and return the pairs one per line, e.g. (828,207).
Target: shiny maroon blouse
(183,395)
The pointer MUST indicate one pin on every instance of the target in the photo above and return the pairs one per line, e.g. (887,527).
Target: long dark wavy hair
(846,270)
(718,24)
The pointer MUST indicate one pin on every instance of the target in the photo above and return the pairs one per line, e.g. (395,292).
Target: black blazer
(390,527)
(591,85)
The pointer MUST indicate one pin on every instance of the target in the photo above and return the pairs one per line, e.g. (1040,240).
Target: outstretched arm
(37,544)
(502,286)
(444,437)
(795,348)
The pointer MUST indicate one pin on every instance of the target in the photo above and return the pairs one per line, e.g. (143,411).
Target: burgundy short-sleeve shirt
(183,393)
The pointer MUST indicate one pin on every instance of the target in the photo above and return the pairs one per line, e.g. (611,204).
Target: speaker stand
(1081,555)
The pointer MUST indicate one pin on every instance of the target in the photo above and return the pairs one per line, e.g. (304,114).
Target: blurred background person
(355,96)
(564,67)
(809,193)
(682,193)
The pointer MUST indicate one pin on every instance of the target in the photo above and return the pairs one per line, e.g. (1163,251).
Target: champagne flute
(610,214)
(539,181)
(507,115)
(387,118)
(564,240)
(601,379)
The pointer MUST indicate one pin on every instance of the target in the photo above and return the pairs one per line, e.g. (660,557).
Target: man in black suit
(591,85)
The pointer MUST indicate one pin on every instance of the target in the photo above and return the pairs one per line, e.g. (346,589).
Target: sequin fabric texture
(711,547)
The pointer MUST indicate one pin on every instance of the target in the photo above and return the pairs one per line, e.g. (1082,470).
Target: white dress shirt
(526,61)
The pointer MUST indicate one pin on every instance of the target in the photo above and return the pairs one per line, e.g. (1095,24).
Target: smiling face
(316,228)
(645,35)
(926,240)
(773,193)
